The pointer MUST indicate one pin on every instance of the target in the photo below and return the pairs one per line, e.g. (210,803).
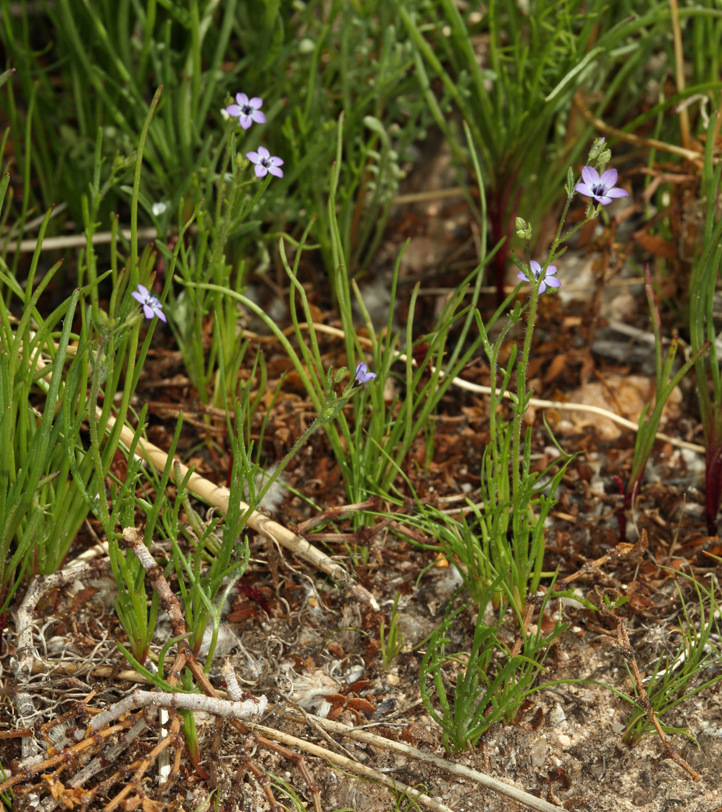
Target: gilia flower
(265,163)
(151,305)
(362,373)
(247,110)
(549,281)
(601,190)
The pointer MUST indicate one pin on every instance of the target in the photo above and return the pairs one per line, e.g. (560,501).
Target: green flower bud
(523,229)
(597,147)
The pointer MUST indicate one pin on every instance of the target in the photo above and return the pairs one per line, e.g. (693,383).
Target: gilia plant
(510,535)
(506,531)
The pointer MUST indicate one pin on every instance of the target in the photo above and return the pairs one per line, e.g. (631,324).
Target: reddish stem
(502,226)
(622,512)
(713,477)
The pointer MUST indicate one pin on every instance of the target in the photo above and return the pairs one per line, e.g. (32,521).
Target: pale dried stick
(170,603)
(412,752)
(22,667)
(557,405)
(248,709)
(101,672)
(219,497)
(377,741)
(637,141)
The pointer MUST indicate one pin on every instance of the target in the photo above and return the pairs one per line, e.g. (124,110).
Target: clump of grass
(392,645)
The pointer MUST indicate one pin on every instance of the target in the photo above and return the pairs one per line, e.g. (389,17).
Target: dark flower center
(246,109)
(266,162)
(599,190)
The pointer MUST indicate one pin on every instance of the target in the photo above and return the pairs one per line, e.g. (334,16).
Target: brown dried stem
(597,598)
(236,711)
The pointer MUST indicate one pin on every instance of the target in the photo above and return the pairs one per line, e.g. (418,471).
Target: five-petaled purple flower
(549,279)
(265,163)
(362,373)
(151,305)
(247,110)
(600,189)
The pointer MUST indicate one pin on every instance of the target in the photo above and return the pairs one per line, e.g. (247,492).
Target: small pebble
(538,753)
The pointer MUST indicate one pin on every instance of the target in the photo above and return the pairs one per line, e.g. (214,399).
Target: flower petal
(583,189)
(362,373)
(617,192)
(245,121)
(276,161)
(609,178)
(137,296)
(254,157)
(148,311)
(553,282)
(590,175)
(263,152)
(261,171)
(605,201)
(144,292)
(551,270)
(275,171)
(258,117)
(234,110)
(535,267)
(522,276)
(160,313)
(542,288)
(256,102)
(242,99)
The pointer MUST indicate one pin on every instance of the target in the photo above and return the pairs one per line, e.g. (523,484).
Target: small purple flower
(265,163)
(247,110)
(363,375)
(549,279)
(601,190)
(151,305)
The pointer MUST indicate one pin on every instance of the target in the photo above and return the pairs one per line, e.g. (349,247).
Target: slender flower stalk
(524,360)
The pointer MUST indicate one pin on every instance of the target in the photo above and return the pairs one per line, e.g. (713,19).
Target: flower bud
(603,159)
(523,229)
(597,147)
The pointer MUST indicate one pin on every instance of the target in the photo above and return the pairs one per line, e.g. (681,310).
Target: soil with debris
(296,638)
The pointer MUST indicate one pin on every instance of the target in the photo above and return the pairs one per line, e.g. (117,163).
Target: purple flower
(599,189)
(265,163)
(362,373)
(151,305)
(549,279)
(247,110)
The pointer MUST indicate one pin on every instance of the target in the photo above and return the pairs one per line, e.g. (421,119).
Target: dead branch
(251,707)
